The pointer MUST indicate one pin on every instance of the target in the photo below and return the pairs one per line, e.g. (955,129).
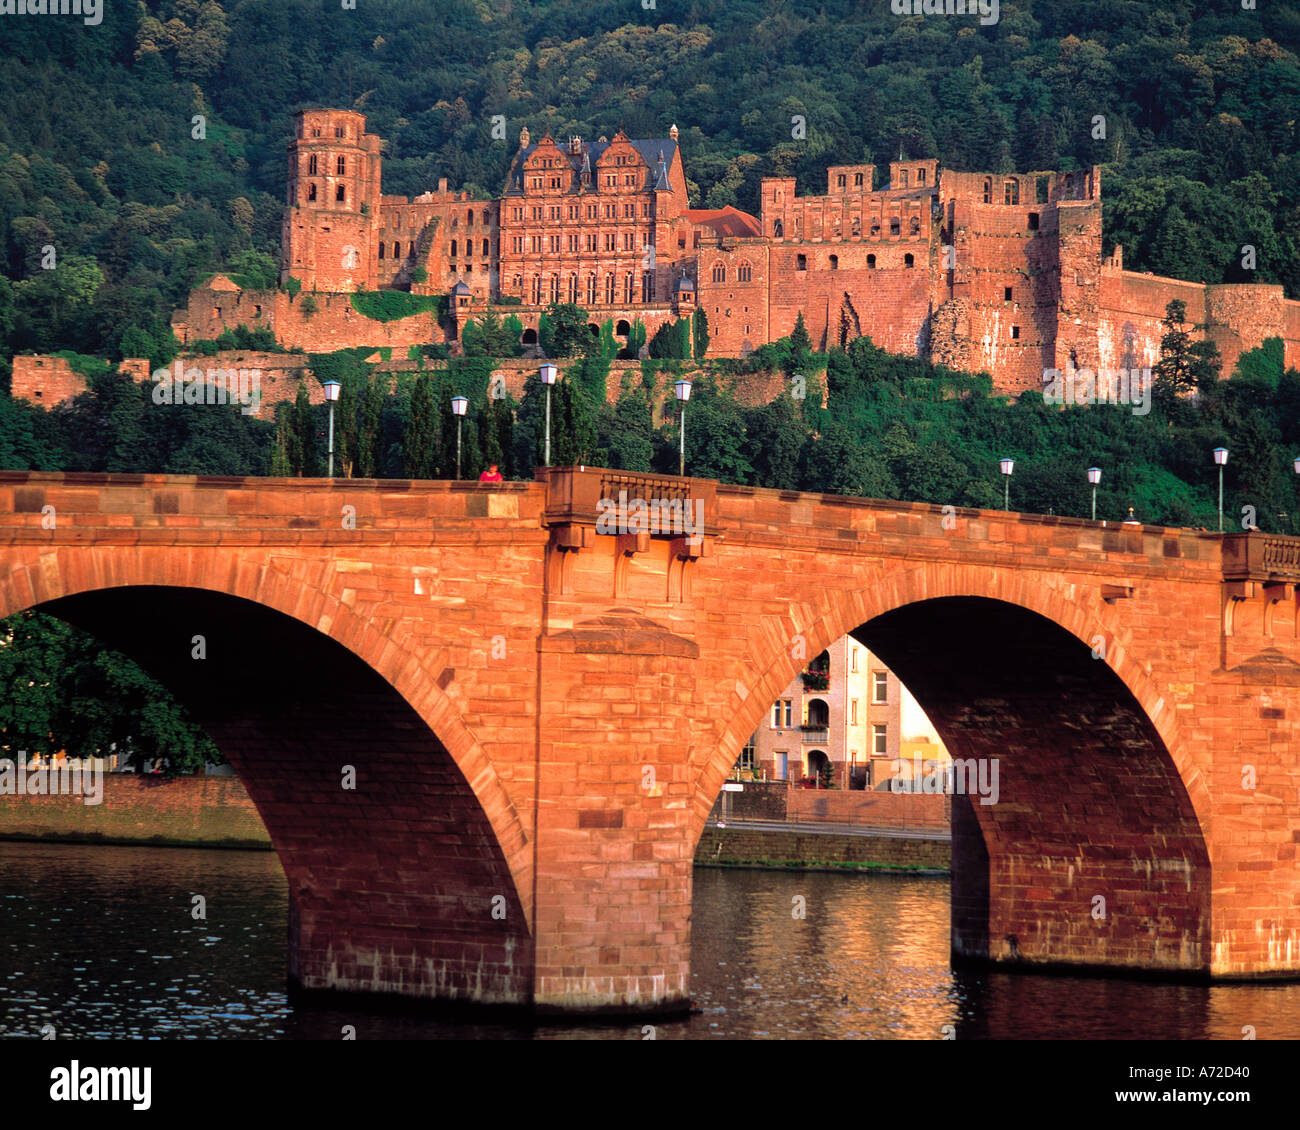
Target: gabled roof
(726,221)
(461,288)
(649,150)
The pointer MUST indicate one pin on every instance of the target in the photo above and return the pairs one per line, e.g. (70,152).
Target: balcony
(816,680)
(816,735)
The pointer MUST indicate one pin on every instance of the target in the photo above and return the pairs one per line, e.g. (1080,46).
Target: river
(101,942)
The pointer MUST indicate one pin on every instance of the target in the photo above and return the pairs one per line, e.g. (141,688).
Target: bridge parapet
(1271,558)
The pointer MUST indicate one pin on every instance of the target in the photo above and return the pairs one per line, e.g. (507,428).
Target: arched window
(909,260)
(871,262)
(988,190)
(743,272)
(519,284)
(835,262)
(902,178)
(591,290)
(469,218)
(875,227)
(311,191)
(1011,192)
(915,226)
(485,217)
(778,229)
(311,165)
(609,290)
(629,292)
(485,249)
(340,193)
(920,176)
(573,289)
(537,290)
(555,288)
(719,273)
(453,249)
(381,249)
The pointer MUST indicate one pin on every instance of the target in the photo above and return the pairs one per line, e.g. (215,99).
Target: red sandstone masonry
(1120,777)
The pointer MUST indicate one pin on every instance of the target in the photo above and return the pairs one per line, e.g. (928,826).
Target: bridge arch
(1106,787)
(417,880)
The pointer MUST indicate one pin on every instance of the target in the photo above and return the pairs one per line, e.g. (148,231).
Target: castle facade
(979,271)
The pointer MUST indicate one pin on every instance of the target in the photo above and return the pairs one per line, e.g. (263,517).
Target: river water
(102,942)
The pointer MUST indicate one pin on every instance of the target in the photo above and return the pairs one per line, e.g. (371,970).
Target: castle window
(519,284)
(469,218)
(311,165)
(381,249)
(537,290)
(915,226)
(857,180)
(1011,192)
(801,263)
(894,226)
(909,260)
(856,228)
(719,273)
(453,249)
(573,289)
(311,192)
(629,291)
(591,290)
(1033,221)
(609,289)
(1015,333)
(841,180)
(485,217)
(555,288)
(341,166)
(647,286)
(871,262)
(609,241)
(743,273)
(315,131)
(988,190)
(778,229)
(485,248)
(340,193)
(338,131)
(1006,294)
(920,176)
(902,178)
(591,242)
(397,221)
(835,262)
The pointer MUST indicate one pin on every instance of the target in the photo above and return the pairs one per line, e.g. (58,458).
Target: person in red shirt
(491,475)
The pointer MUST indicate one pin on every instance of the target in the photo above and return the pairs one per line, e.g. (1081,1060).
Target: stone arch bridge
(540,713)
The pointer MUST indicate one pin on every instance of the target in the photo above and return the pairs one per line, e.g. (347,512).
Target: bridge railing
(575,494)
(1261,557)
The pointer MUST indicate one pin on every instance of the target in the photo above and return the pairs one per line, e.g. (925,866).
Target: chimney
(442,186)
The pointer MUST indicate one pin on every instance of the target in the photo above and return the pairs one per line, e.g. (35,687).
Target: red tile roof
(726,221)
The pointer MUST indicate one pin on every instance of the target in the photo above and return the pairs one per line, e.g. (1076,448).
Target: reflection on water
(102,942)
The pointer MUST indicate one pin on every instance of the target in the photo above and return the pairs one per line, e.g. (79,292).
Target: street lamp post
(331,395)
(1008,465)
(1094,477)
(548,373)
(682,390)
(458,406)
(1220,457)
(1296,464)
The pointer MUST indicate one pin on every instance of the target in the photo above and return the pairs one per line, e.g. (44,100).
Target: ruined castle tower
(333,202)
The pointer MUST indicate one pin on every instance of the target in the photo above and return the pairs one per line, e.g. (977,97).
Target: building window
(311,165)
(517,244)
(853,712)
(1006,294)
(841,180)
(486,252)
(909,260)
(894,226)
(1011,192)
(573,243)
(537,290)
(1015,333)
(880,740)
(591,290)
(871,262)
(311,191)
(778,229)
(609,290)
(743,273)
(340,193)
(902,178)
(629,288)
(719,273)
(381,249)
(342,166)
(338,131)
(647,286)
(801,263)
(880,687)
(609,241)
(1033,221)
(857,180)
(835,262)
(920,176)
(453,249)
(573,289)
(988,190)
(914,226)
(555,288)
(748,758)
(782,713)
